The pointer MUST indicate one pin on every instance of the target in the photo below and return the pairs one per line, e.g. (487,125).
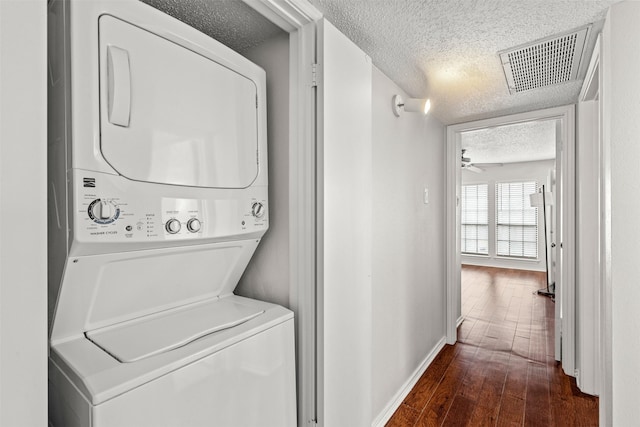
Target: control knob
(258,210)
(173,226)
(194,225)
(103,211)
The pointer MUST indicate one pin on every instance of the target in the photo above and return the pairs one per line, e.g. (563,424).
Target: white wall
(23,223)
(267,276)
(408,286)
(344,231)
(538,171)
(621,133)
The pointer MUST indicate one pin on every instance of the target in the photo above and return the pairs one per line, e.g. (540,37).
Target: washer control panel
(114,209)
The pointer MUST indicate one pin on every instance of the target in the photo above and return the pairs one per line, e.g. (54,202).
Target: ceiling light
(413,105)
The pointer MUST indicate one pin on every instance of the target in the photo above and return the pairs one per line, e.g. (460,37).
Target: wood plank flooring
(501,372)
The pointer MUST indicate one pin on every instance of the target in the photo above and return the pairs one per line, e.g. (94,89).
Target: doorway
(563,119)
(502,226)
(508,220)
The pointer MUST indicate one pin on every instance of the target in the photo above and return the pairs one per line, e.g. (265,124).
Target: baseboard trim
(386,414)
(459,322)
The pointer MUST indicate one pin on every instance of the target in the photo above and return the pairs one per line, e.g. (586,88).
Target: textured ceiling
(520,142)
(448,50)
(231,22)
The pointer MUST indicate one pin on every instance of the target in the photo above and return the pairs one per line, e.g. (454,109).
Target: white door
(551,228)
(589,232)
(344,230)
(588,254)
(565,308)
(170,115)
(557,243)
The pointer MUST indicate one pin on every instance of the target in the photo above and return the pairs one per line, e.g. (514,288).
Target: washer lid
(150,335)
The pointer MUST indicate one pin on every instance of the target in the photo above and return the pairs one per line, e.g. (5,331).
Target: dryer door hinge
(314,75)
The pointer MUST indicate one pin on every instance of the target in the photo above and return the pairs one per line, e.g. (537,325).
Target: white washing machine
(158,199)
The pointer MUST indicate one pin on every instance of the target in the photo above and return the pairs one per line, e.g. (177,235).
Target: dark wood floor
(502,370)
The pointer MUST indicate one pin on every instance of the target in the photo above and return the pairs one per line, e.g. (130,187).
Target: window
(516,220)
(475,219)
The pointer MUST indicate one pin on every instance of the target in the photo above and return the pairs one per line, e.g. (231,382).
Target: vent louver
(545,62)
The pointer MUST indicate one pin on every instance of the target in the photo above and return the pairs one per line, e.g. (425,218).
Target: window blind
(475,219)
(516,220)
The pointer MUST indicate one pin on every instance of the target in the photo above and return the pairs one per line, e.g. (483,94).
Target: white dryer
(158,199)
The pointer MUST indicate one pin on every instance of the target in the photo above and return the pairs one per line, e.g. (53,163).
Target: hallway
(502,370)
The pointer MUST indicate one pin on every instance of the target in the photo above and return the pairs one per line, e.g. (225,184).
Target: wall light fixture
(413,105)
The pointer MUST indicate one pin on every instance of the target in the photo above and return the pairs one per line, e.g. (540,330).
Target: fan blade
(473,168)
(488,165)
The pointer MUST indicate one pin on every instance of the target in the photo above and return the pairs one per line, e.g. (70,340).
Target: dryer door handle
(119,86)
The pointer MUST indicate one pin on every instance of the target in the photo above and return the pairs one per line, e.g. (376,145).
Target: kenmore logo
(89,182)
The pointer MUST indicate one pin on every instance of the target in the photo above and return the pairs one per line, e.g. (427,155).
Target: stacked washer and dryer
(158,199)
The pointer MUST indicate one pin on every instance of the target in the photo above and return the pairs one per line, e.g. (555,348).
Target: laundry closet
(159,197)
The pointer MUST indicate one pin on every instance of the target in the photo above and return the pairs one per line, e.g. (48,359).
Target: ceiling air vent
(545,62)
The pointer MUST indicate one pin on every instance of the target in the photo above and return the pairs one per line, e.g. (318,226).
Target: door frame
(298,18)
(589,134)
(566,294)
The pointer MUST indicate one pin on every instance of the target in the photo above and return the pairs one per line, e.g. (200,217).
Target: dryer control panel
(111,208)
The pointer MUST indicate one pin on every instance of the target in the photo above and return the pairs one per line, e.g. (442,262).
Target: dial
(173,226)
(258,210)
(194,225)
(103,211)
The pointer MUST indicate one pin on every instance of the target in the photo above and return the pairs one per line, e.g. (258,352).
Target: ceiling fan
(474,167)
